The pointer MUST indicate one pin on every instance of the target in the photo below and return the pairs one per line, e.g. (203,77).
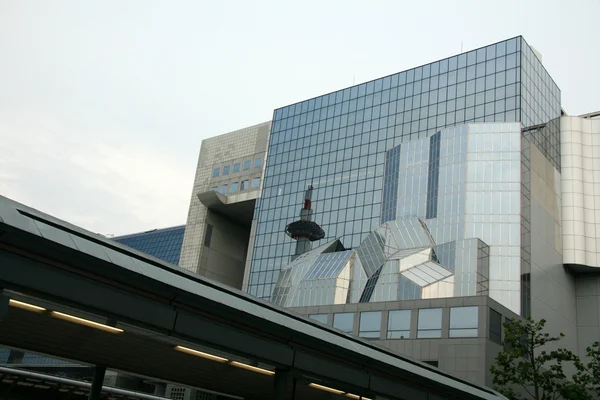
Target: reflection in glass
(236,167)
(370,324)
(319,317)
(463,321)
(247,165)
(226,170)
(216,172)
(344,322)
(430,323)
(399,324)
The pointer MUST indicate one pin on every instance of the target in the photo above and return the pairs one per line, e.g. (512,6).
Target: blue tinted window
(344,321)
(236,167)
(258,163)
(430,323)
(223,189)
(245,184)
(255,183)
(247,164)
(164,244)
(216,172)
(226,170)
(319,317)
(233,187)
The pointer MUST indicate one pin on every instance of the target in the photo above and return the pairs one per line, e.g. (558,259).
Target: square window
(399,324)
(370,325)
(344,321)
(430,323)
(255,183)
(463,321)
(236,167)
(226,170)
(258,163)
(322,318)
(216,172)
(245,185)
(247,164)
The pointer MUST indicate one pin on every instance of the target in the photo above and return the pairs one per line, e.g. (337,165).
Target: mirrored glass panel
(399,324)
(430,323)
(370,325)
(463,321)
(319,317)
(344,321)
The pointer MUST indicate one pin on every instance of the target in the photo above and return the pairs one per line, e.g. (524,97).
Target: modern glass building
(160,243)
(353,144)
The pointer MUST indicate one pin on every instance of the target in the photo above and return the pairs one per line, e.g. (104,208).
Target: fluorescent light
(25,306)
(252,368)
(325,388)
(86,322)
(354,396)
(200,354)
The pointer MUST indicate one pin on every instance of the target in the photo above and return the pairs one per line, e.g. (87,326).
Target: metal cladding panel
(60,284)
(229,338)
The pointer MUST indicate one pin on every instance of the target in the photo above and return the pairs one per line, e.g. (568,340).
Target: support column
(97,383)
(281,384)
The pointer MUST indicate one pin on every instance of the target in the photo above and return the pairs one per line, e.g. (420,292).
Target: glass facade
(349,144)
(399,324)
(463,321)
(429,323)
(370,324)
(164,244)
(344,321)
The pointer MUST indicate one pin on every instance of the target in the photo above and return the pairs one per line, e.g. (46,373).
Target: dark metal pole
(281,384)
(97,383)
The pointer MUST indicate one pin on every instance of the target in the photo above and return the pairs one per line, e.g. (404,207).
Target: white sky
(103,104)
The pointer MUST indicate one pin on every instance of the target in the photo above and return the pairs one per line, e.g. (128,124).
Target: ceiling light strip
(325,388)
(25,306)
(86,322)
(252,368)
(200,354)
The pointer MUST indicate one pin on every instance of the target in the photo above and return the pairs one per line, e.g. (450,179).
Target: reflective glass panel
(247,164)
(233,187)
(236,167)
(255,183)
(216,172)
(258,163)
(245,184)
(319,317)
(344,321)
(370,324)
(463,321)
(430,323)
(399,324)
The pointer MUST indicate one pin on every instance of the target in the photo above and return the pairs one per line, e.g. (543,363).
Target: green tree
(524,369)
(588,373)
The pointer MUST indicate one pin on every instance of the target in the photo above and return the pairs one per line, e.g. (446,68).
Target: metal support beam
(281,384)
(97,382)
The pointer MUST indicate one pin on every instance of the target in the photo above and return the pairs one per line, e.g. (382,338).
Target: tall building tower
(305,230)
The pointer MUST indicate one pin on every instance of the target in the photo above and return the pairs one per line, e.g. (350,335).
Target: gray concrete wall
(224,258)
(587,289)
(468,358)
(238,146)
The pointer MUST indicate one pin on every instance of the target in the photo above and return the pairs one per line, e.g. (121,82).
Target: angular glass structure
(161,243)
(350,145)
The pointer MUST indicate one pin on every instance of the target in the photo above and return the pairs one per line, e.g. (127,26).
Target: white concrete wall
(580,163)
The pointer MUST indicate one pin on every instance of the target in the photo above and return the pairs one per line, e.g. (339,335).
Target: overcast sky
(103,104)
